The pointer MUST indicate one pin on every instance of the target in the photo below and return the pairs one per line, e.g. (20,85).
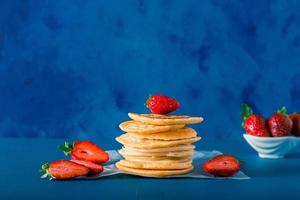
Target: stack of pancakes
(157,145)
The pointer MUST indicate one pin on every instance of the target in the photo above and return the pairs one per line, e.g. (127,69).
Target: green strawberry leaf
(282,110)
(146,103)
(66,148)
(45,169)
(246,111)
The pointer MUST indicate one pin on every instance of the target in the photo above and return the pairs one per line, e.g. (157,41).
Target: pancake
(156,164)
(130,141)
(152,173)
(156,145)
(178,134)
(157,119)
(142,128)
(160,158)
(124,152)
(166,149)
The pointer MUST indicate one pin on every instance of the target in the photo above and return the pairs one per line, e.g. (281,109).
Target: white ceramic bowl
(272,147)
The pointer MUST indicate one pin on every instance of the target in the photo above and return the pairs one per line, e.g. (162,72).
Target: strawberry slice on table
(64,169)
(295,117)
(222,165)
(280,124)
(253,124)
(94,168)
(161,104)
(85,150)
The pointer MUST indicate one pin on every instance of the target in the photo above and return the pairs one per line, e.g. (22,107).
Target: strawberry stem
(66,148)
(282,110)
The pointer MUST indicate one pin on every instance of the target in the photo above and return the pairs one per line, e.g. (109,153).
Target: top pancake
(142,128)
(157,119)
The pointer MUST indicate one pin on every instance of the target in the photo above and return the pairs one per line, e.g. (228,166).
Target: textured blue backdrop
(75,68)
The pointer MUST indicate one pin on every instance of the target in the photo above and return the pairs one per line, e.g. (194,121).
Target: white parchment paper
(198,159)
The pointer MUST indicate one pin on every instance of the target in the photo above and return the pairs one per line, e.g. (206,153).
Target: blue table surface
(21,158)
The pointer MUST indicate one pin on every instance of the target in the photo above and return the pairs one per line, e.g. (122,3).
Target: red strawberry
(94,168)
(85,150)
(295,117)
(254,124)
(63,169)
(161,104)
(73,157)
(280,124)
(222,165)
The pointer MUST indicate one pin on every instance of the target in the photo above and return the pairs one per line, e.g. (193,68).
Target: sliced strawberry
(94,168)
(222,165)
(89,151)
(64,169)
(73,157)
(85,150)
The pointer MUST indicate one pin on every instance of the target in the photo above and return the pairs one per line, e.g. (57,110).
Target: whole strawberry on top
(295,117)
(280,124)
(253,124)
(161,104)
(85,150)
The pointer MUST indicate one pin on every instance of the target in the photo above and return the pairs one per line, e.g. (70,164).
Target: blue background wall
(75,68)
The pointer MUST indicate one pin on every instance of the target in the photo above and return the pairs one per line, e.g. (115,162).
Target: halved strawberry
(85,150)
(63,169)
(222,165)
(94,168)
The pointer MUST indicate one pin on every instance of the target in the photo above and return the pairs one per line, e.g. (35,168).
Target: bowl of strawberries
(273,137)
